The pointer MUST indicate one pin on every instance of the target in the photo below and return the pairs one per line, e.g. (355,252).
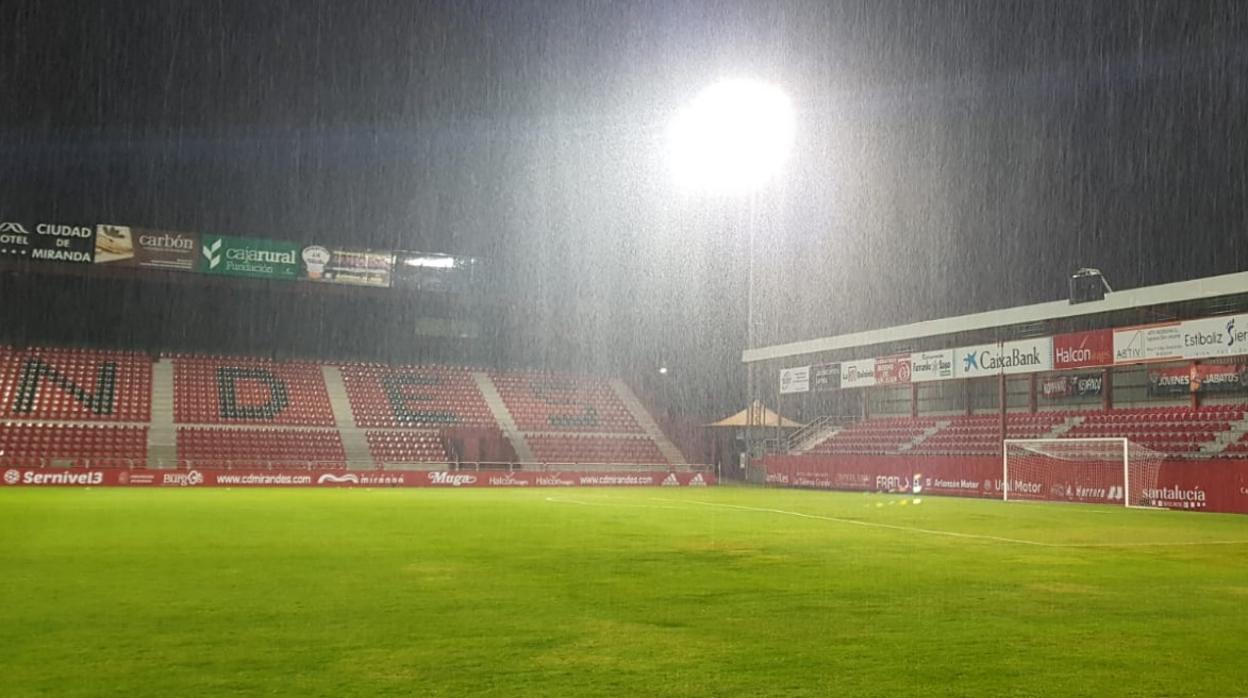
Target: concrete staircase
(354,440)
(1225,438)
(1061,428)
(647,423)
(816,432)
(162,433)
(927,434)
(502,415)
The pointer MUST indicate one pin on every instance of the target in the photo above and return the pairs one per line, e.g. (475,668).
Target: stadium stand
(223,447)
(415,397)
(391,447)
(235,390)
(1210,430)
(981,434)
(577,448)
(220,411)
(546,402)
(875,436)
(568,418)
(36,445)
(1170,430)
(1238,447)
(75,385)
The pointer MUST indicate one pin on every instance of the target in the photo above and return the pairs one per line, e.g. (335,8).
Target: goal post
(1091,471)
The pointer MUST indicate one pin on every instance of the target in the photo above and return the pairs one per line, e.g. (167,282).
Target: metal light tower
(730,140)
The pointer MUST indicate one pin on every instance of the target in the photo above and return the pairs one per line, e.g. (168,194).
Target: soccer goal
(1092,471)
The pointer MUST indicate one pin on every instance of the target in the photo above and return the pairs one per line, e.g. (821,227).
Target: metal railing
(812,429)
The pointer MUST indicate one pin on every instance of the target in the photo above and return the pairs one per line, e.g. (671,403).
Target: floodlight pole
(720,105)
(749,344)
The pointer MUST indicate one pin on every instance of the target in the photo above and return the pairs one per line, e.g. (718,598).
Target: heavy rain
(640,191)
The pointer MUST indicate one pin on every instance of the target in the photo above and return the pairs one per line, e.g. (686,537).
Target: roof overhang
(1178,292)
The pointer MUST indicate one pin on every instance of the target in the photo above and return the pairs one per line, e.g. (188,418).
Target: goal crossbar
(1040,458)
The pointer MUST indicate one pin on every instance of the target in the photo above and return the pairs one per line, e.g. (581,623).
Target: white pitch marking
(950,534)
(563,500)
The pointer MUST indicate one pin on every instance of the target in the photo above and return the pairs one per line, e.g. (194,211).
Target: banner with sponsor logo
(794,380)
(1219,378)
(931,366)
(825,377)
(1214,485)
(1083,350)
(48,242)
(434,272)
(890,370)
(1023,356)
(1170,381)
(1081,385)
(1197,378)
(80,477)
(128,246)
(261,259)
(124,246)
(1191,339)
(858,374)
(356,267)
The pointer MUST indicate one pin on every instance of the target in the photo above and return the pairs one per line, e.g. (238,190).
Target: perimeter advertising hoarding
(355,267)
(825,377)
(261,259)
(1191,339)
(17,476)
(1083,350)
(124,246)
(794,380)
(1023,356)
(931,366)
(858,374)
(1218,484)
(890,370)
(49,242)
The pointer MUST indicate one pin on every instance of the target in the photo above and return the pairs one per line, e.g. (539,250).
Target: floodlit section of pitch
(1055,525)
(716,591)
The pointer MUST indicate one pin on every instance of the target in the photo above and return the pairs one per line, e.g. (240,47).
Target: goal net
(1099,471)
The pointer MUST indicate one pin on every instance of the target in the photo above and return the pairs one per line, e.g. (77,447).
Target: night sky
(951,156)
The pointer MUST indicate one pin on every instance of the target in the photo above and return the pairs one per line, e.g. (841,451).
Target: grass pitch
(721,591)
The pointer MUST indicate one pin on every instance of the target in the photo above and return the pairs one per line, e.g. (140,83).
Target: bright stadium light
(732,137)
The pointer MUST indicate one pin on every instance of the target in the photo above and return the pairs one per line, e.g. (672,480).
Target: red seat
(232,390)
(75,385)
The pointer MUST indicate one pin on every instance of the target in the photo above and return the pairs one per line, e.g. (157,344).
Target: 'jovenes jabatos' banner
(123,246)
(263,259)
(48,242)
(1198,378)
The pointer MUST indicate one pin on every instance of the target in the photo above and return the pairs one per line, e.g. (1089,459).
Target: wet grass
(611,592)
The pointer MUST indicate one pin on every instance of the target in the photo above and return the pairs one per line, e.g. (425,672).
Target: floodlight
(732,137)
